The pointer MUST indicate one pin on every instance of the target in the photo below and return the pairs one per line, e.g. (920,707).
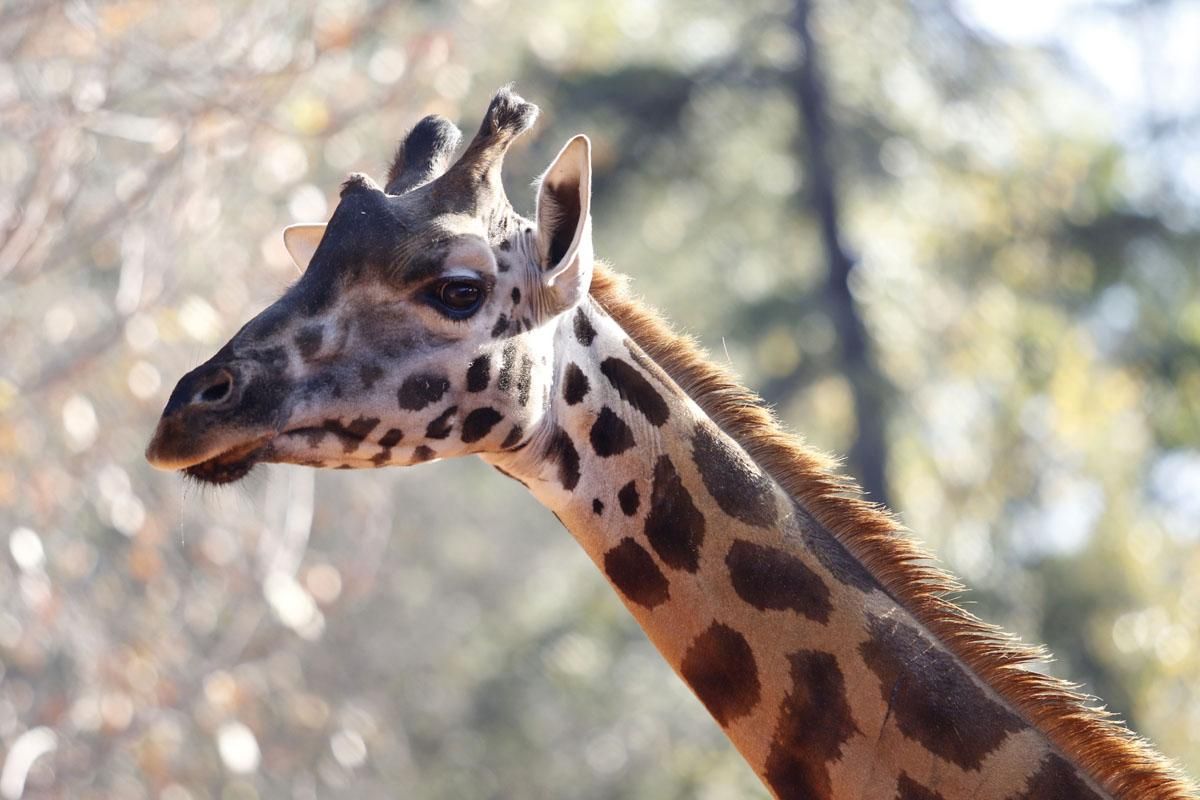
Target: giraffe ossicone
(432,320)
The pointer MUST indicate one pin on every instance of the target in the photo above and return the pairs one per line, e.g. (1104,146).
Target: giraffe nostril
(217,391)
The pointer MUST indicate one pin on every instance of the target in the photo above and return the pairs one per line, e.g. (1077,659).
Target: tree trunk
(868,454)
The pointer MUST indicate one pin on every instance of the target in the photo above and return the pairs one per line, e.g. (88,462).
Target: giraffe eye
(457,298)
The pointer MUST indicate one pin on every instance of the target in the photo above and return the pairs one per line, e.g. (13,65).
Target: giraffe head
(420,328)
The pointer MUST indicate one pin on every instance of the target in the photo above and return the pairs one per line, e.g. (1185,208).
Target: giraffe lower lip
(230,466)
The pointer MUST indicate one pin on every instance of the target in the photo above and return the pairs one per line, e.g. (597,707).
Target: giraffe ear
(301,242)
(564,225)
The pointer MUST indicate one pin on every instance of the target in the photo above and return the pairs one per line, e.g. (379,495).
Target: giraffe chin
(229,467)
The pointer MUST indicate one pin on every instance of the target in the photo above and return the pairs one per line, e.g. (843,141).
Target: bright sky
(1142,56)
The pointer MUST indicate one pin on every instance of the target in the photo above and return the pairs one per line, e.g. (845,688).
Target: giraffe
(432,321)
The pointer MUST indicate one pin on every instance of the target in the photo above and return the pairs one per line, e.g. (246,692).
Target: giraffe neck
(826,685)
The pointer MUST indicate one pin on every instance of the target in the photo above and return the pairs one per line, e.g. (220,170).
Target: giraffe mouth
(229,466)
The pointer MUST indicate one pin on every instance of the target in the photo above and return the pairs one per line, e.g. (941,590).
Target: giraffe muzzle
(216,423)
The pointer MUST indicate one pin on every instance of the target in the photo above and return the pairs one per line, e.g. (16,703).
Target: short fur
(1119,760)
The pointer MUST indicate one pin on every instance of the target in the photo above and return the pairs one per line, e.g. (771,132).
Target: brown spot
(634,389)
(369,374)
(513,437)
(391,438)
(770,578)
(674,526)
(422,453)
(597,506)
(479,373)
(562,450)
(584,332)
(721,670)
(516,295)
(832,554)
(479,423)
(814,722)
(610,436)
(308,341)
(628,498)
(418,391)
(508,357)
(633,571)
(739,488)
(908,789)
(642,360)
(500,327)
(575,384)
(441,425)
(524,380)
(1056,778)
(353,433)
(931,697)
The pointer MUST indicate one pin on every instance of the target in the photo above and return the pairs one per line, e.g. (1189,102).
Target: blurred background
(955,239)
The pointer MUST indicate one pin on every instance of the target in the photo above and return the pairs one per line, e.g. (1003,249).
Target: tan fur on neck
(1124,764)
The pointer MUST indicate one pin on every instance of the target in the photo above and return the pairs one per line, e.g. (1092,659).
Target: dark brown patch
(721,670)
(421,453)
(739,488)
(369,374)
(908,789)
(815,721)
(562,450)
(575,384)
(500,327)
(584,332)
(770,578)
(524,380)
(479,423)
(654,370)
(610,435)
(508,358)
(479,374)
(308,341)
(418,391)
(635,389)
(516,295)
(351,435)
(633,571)
(674,526)
(506,245)
(628,498)
(597,506)
(391,438)
(441,425)
(513,437)
(1056,779)
(832,554)
(932,698)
